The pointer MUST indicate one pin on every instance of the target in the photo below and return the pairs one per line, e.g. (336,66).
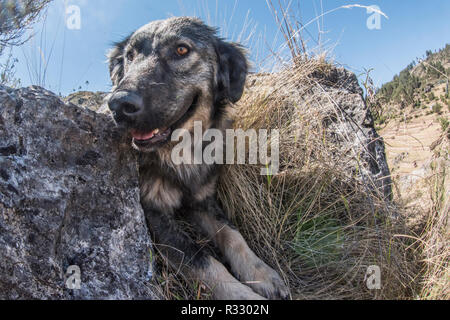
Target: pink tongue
(142,136)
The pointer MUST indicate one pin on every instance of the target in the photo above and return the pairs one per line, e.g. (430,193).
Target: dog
(166,76)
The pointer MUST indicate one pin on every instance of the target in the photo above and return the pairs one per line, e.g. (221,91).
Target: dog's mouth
(143,140)
(147,139)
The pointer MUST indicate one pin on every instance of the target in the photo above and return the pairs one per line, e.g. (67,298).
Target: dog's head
(169,74)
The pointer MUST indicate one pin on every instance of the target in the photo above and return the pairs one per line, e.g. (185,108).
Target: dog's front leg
(245,264)
(185,255)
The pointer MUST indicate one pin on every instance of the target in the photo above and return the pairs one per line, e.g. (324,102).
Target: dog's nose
(126,104)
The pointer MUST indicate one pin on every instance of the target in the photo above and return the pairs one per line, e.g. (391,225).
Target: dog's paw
(248,295)
(223,285)
(268,283)
(235,290)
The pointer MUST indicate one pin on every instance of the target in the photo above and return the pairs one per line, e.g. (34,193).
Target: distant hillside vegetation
(423,84)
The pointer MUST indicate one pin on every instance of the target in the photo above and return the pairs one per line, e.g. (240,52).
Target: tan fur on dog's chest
(160,194)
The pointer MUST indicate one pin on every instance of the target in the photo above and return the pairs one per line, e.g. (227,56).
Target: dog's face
(169,74)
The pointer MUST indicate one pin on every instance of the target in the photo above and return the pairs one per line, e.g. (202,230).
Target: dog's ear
(116,61)
(232,71)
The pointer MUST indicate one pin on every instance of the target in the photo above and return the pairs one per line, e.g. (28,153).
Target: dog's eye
(130,56)
(182,51)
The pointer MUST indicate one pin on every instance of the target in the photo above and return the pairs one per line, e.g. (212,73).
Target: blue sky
(73,56)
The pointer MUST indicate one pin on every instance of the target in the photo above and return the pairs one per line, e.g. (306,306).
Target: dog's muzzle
(126,106)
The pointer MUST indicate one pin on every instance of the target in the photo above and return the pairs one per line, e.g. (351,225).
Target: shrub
(7,72)
(16,17)
(380,120)
(437,108)
(444,123)
(417,104)
(435,70)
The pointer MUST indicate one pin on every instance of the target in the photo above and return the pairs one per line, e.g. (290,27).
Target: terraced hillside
(414,122)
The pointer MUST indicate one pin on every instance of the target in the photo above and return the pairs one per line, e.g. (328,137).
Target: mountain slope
(413,120)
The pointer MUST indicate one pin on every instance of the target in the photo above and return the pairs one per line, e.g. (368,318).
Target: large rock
(352,126)
(86,99)
(68,197)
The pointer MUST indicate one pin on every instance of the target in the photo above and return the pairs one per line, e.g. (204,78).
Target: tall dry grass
(435,241)
(316,222)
